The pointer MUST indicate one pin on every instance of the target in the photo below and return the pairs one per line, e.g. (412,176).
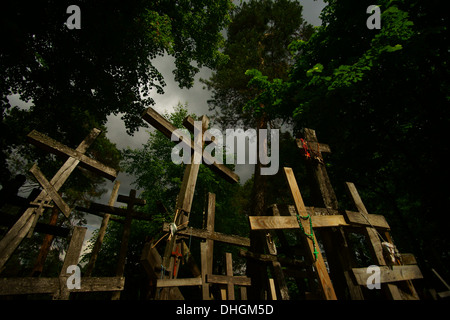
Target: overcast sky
(196,98)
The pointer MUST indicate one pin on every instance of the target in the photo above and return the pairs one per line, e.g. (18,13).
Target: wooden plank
(210,218)
(118,211)
(408,258)
(53,146)
(375,220)
(127,199)
(273,292)
(63,207)
(271,258)
(275,266)
(160,123)
(322,147)
(321,270)
(229,272)
(28,285)
(32,285)
(163,283)
(71,258)
(286,222)
(222,279)
(204,264)
(389,274)
(101,232)
(216,236)
(444,294)
(74,249)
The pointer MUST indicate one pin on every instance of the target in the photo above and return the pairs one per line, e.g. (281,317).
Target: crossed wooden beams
(186,194)
(392,276)
(59,287)
(28,220)
(208,278)
(152,262)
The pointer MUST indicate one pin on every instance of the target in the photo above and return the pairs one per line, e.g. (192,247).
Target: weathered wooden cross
(340,259)
(313,252)
(391,273)
(229,280)
(185,197)
(60,287)
(76,156)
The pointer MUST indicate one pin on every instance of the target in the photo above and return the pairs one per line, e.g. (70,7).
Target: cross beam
(53,146)
(166,128)
(211,235)
(58,286)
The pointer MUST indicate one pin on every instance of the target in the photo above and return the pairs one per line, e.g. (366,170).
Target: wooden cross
(388,274)
(58,287)
(229,280)
(130,200)
(23,226)
(160,123)
(313,253)
(318,168)
(340,259)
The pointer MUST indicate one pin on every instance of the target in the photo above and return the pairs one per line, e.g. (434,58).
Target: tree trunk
(255,270)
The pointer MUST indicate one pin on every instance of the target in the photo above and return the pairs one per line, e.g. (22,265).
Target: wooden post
(186,195)
(340,260)
(321,270)
(21,228)
(45,247)
(101,232)
(131,200)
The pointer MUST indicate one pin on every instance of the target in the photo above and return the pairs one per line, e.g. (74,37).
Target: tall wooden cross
(75,156)
(340,259)
(59,287)
(185,197)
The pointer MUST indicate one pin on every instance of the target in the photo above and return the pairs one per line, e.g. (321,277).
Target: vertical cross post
(131,200)
(102,231)
(186,195)
(313,252)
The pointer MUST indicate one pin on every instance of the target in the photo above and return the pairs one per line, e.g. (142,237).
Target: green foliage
(257,38)
(75,79)
(380,98)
